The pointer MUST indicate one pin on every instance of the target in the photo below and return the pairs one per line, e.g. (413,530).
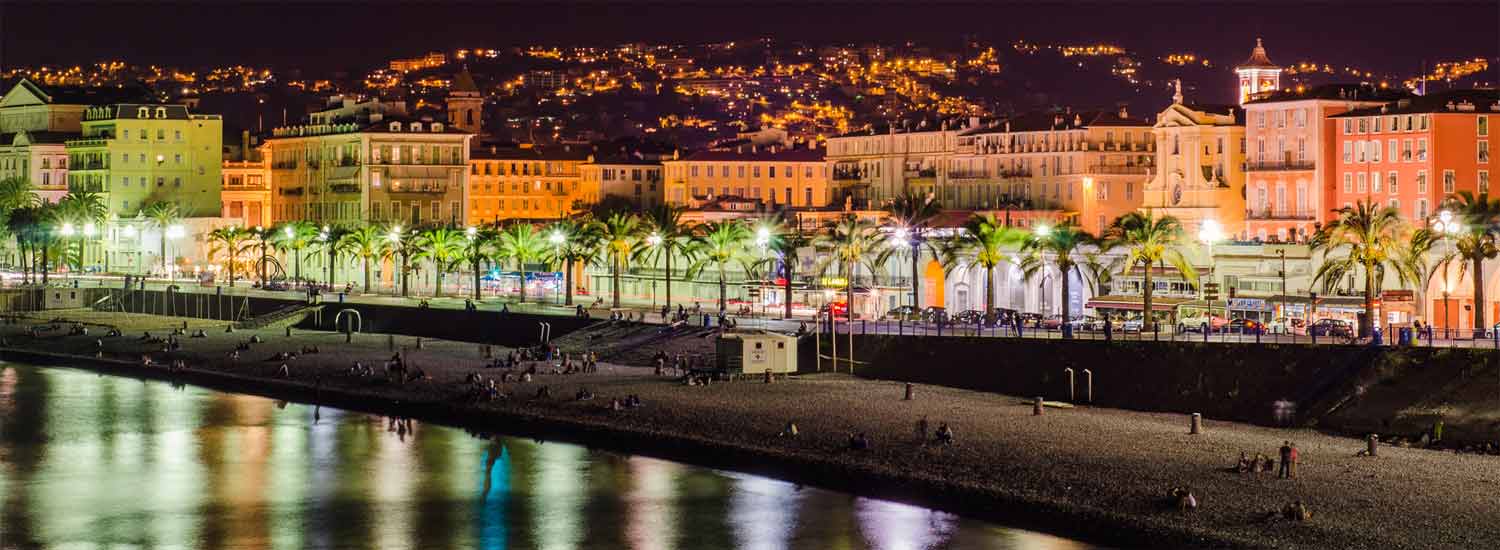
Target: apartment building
(36,123)
(246,192)
(772,177)
(527,182)
(1200,153)
(873,166)
(635,179)
(137,154)
(1290,139)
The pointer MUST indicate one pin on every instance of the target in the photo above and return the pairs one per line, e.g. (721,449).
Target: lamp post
(68,231)
(89,230)
(653,240)
(902,237)
(472,234)
(1211,233)
(173,233)
(1448,228)
(326,238)
(260,234)
(395,239)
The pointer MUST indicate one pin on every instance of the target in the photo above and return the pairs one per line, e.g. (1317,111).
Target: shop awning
(1135,303)
(1323,301)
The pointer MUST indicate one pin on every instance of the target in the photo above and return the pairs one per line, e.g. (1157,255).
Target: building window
(1483,125)
(1421,209)
(739,171)
(1390,182)
(807,196)
(1374,182)
(1421,182)
(1348,182)
(1484,181)
(1393,152)
(1348,151)
(786,171)
(1301,148)
(1359,151)
(1421,149)
(1360,182)
(1449,182)
(176,182)
(755,171)
(1348,126)
(1484,151)
(772,172)
(693,171)
(1375,150)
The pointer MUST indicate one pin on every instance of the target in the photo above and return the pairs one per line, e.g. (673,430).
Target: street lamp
(558,239)
(1447,227)
(654,240)
(472,233)
(173,233)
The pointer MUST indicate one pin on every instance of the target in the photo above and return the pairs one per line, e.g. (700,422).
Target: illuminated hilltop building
(1257,74)
(1200,154)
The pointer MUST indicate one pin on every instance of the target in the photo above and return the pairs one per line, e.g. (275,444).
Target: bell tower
(465,104)
(1257,74)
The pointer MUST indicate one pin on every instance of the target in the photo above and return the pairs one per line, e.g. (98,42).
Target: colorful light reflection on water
(95,462)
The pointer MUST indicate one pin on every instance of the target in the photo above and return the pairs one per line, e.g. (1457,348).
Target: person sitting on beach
(146,337)
(579,312)
(790,430)
(1184,499)
(944,434)
(526,377)
(544,392)
(423,304)
(200,333)
(284,371)
(146,360)
(1243,465)
(859,442)
(113,333)
(256,339)
(234,355)
(584,395)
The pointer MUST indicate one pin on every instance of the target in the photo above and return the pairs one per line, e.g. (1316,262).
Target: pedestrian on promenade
(1292,472)
(1285,472)
(922,426)
(1109,328)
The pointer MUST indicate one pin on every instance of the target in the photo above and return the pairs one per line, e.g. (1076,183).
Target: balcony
(920,173)
(91,165)
(348,161)
(344,188)
(284,165)
(429,188)
(1272,214)
(959,176)
(1279,165)
(1120,169)
(846,175)
(291,191)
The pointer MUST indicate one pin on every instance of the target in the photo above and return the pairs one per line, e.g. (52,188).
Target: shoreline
(1098,475)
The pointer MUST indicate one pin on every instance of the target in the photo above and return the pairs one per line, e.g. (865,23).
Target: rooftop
(1258,59)
(1342,92)
(1455,101)
(760,155)
(533,153)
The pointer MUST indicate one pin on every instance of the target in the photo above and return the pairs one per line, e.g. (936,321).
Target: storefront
(1121,307)
(1257,309)
(1343,308)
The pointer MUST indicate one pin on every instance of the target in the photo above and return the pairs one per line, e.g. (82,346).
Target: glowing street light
(557,238)
(654,239)
(1043,230)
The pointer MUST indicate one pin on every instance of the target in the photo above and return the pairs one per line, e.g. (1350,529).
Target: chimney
(245,145)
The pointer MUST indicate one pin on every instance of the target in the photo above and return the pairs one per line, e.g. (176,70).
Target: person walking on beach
(1292,471)
(922,426)
(1286,461)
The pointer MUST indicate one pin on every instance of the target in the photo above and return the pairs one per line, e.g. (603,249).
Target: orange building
(1290,141)
(787,177)
(527,182)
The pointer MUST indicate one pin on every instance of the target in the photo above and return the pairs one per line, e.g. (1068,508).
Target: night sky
(1380,36)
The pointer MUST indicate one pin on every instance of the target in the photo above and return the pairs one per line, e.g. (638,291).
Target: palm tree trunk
(367,274)
(46,248)
(989,288)
(437,292)
(476,278)
(1148,323)
(568,284)
(1479,326)
(614,275)
(297,255)
(333,258)
(849,312)
(405,277)
(1369,317)
(520,266)
(231,268)
(721,288)
(163,252)
(669,275)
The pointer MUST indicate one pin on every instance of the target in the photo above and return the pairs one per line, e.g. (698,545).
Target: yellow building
(247,190)
(392,169)
(137,154)
(1200,155)
(634,179)
(527,182)
(786,177)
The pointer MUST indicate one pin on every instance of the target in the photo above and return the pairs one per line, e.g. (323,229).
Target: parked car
(1083,322)
(1052,322)
(840,309)
(1285,325)
(1245,326)
(968,317)
(903,313)
(1132,325)
(1201,322)
(933,314)
(1331,327)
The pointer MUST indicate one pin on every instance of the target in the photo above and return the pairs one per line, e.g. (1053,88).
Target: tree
(524,244)
(232,242)
(163,216)
(292,238)
(1473,235)
(718,244)
(674,238)
(25,224)
(85,209)
(15,195)
(786,241)
(479,250)
(1368,237)
(618,235)
(982,242)
(1065,244)
(910,215)
(1149,240)
(573,242)
(406,245)
(366,242)
(442,246)
(331,240)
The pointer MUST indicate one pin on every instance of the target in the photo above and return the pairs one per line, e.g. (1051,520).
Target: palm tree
(366,242)
(1064,244)
(910,215)
(786,241)
(618,235)
(163,216)
(479,249)
(331,240)
(25,223)
(1473,232)
(718,244)
(1368,237)
(848,242)
(84,208)
(1150,240)
(983,242)
(442,246)
(292,238)
(403,244)
(524,244)
(573,242)
(15,194)
(673,238)
(233,242)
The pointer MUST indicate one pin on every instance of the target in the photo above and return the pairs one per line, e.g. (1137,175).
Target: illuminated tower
(1257,74)
(465,104)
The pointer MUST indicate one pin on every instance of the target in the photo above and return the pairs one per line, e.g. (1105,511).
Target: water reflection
(100,462)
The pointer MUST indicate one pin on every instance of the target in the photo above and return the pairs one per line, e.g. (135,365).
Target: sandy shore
(1097,473)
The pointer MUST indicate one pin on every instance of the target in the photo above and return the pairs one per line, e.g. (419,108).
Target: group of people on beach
(1261,463)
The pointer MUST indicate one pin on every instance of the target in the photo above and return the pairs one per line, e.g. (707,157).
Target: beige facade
(795,178)
(639,181)
(878,165)
(137,154)
(1200,155)
(247,190)
(393,170)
